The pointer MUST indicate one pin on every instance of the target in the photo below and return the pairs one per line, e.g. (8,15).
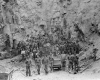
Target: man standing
(19,47)
(94,53)
(63,61)
(70,59)
(76,63)
(14,44)
(51,60)
(45,63)
(28,65)
(38,64)
(34,54)
(7,42)
(23,54)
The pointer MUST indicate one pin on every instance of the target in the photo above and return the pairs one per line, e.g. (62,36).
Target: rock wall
(24,17)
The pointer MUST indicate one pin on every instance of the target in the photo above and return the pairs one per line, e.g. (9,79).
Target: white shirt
(22,52)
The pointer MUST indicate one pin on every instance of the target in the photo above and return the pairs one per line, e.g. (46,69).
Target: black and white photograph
(49,39)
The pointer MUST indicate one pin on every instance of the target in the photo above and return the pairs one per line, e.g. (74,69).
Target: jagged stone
(27,14)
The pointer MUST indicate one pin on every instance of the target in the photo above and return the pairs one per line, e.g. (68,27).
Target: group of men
(32,53)
(73,63)
(29,55)
(47,60)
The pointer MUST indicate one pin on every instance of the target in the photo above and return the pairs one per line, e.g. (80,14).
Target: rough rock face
(84,12)
(22,17)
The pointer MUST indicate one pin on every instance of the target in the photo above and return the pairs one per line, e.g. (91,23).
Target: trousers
(46,69)
(28,71)
(38,69)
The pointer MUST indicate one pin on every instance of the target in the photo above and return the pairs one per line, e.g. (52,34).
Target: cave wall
(23,17)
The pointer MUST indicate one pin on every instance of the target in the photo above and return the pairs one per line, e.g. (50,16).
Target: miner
(28,65)
(51,60)
(76,63)
(23,54)
(94,53)
(45,63)
(38,64)
(70,59)
(19,47)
